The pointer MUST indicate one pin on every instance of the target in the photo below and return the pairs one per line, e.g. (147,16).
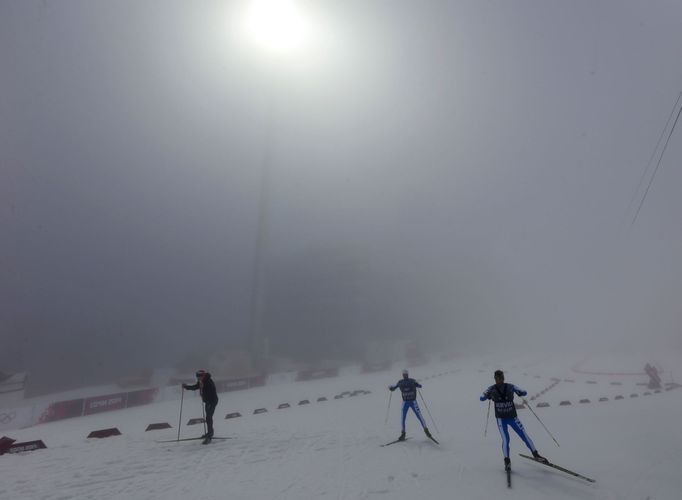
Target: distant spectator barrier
(142,397)
(376,367)
(41,413)
(239,384)
(317,374)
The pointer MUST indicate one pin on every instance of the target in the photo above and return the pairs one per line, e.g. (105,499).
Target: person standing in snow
(209,396)
(502,395)
(408,388)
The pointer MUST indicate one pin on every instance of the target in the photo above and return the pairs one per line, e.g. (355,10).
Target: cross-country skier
(408,388)
(209,396)
(505,412)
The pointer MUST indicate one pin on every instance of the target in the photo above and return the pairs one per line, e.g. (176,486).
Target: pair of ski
(205,440)
(548,464)
(401,440)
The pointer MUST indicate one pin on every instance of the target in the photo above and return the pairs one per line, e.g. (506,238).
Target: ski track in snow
(332,449)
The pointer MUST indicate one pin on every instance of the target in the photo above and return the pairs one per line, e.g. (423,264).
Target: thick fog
(464,174)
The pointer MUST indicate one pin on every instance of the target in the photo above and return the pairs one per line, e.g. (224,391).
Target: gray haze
(456,172)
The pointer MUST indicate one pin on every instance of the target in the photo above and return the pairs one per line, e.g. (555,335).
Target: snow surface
(332,449)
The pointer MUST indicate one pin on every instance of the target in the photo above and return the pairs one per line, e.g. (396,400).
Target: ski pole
(536,416)
(390,395)
(428,411)
(487,419)
(182,397)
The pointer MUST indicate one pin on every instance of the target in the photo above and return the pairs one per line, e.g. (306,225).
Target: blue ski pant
(415,408)
(514,423)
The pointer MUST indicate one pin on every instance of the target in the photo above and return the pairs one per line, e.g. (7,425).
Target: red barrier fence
(97,404)
(61,410)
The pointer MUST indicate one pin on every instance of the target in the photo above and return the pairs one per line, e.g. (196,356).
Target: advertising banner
(110,402)
(61,410)
(27,446)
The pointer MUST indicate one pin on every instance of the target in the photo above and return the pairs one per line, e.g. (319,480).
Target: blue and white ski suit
(505,413)
(408,389)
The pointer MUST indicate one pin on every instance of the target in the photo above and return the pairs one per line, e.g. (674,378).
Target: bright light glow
(277,25)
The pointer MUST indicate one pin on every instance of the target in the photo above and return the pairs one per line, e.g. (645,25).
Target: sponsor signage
(7,416)
(27,446)
(61,410)
(16,418)
(109,402)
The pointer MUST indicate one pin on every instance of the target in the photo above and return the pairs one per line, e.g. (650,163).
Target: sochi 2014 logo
(7,417)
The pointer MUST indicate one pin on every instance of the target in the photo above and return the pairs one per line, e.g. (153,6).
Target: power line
(653,153)
(658,164)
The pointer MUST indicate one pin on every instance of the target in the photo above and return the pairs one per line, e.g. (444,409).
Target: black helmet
(499,374)
(200,373)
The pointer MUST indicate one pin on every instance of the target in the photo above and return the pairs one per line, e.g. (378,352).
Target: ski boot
(539,457)
(428,435)
(507,464)
(402,436)
(207,438)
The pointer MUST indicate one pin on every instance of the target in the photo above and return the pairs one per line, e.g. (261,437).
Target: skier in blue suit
(505,412)
(408,388)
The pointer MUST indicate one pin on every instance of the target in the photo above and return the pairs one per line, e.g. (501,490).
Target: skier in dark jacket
(208,395)
(408,388)
(505,412)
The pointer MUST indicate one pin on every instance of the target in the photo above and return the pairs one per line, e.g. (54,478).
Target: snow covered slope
(331,449)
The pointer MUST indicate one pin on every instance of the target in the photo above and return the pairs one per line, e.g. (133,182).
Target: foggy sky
(439,170)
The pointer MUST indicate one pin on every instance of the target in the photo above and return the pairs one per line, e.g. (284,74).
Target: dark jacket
(408,388)
(503,397)
(206,389)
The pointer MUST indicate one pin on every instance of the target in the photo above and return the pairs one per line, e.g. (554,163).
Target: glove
(184,386)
